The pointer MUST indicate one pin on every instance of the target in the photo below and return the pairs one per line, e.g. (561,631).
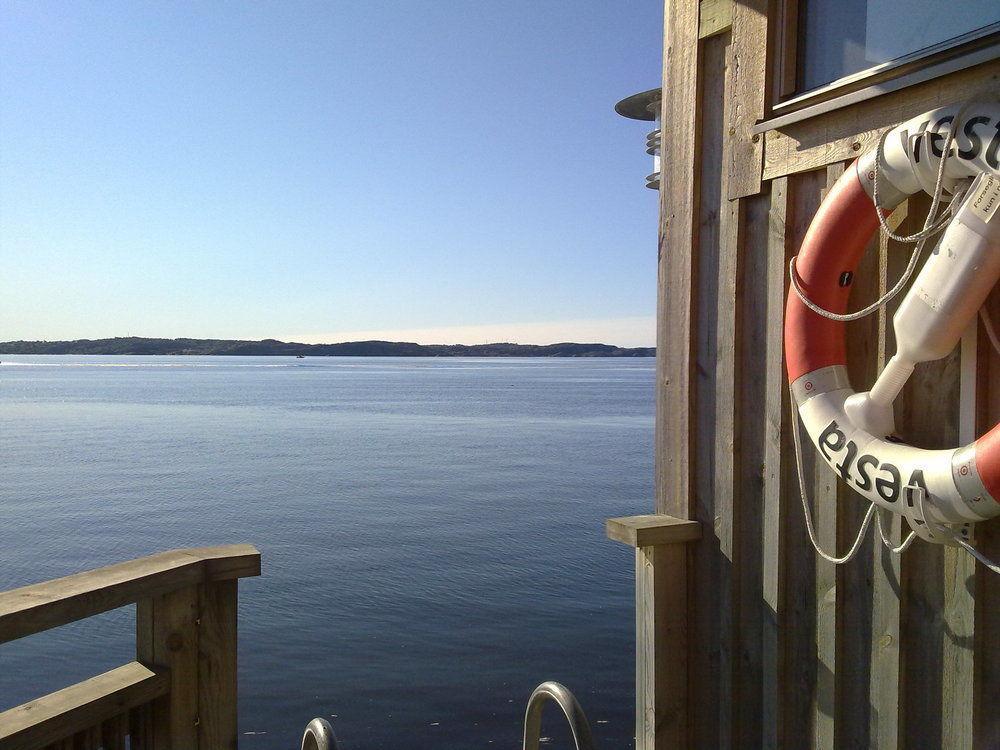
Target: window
(839,38)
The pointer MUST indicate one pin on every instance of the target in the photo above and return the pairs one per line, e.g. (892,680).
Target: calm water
(431,530)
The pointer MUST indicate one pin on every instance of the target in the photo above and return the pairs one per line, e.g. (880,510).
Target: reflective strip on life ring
(962,484)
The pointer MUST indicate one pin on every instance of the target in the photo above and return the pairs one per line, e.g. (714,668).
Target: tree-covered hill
(271,347)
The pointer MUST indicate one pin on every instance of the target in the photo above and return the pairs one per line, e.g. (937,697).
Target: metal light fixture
(646,106)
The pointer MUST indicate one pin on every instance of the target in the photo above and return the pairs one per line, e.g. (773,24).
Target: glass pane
(841,37)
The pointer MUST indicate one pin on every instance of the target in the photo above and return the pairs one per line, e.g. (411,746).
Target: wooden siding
(784,649)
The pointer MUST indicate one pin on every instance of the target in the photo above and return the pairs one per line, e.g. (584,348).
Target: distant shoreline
(273,348)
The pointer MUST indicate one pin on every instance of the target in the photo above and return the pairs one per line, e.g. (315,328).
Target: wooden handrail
(61,714)
(32,609)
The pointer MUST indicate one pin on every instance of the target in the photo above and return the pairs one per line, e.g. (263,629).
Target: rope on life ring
(952,154)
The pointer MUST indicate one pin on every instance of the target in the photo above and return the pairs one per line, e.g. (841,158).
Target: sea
(431,530)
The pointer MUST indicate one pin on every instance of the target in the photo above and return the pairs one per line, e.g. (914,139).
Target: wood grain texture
(677,260)
(114,732)
(845,133)
(661,647)
(755,377)
(677,269)
(927,415)
(38,607)
(711,665)
(715,17)
(884,669)
(651,530)
(746,94)
(80,708)
(854,579)
(779,477)
(803,700)
(785,650)
(217,728)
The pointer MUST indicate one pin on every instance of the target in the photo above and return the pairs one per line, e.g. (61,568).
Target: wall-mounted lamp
(646,106)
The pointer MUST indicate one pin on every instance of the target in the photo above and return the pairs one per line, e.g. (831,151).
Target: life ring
(940,492)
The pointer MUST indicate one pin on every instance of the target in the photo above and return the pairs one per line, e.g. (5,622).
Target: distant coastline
(274,348)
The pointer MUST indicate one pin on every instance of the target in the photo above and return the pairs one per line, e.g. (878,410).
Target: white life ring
(939,491)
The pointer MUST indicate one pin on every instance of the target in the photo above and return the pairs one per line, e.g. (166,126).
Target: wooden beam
(677,261)
(715,17)
(778,478)
(652,530)
(747,94)
(662,608)
(848,132)
(80,707)
(38,607)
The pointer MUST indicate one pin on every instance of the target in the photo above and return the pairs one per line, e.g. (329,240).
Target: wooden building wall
(778,648)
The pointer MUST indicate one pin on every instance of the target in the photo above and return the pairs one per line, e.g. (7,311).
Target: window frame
(789,106)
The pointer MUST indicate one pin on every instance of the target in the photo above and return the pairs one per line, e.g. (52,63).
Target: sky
(421,170)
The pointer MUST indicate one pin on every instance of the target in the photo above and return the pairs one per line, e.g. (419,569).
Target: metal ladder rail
(319,736)
(319,733)
(578,724)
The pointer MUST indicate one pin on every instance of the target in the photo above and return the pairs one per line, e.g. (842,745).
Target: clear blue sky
(422,169)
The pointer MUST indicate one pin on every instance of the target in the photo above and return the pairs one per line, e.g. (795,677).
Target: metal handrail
(319,736)
(578,724)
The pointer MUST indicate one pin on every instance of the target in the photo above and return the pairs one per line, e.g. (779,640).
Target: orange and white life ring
(939,491)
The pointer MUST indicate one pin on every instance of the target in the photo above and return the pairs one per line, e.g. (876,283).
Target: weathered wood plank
(825,496)
(661,616)
(80,707)
(217,727)
(140,725)
(651,530)
(677,269)
(927,415)
(677,262)
(713,484)
(755,378)
(803,702)
(779,480)
(746,93)
(40,606)
(167,635)
(715,17)
(854,579)
(114,732)
(843,134)
(884,680)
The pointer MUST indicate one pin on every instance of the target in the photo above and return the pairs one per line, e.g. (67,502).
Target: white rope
(797,441)
(990,330)
(863,313)
(888,543)
(932,225)
(929,223)
(978,555)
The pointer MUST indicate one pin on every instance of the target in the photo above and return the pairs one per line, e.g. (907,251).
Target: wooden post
(217,666)
(661,622)
(192,632)
(663,577)
(167,636)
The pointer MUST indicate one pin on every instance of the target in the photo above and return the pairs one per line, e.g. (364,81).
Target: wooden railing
(179,693)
